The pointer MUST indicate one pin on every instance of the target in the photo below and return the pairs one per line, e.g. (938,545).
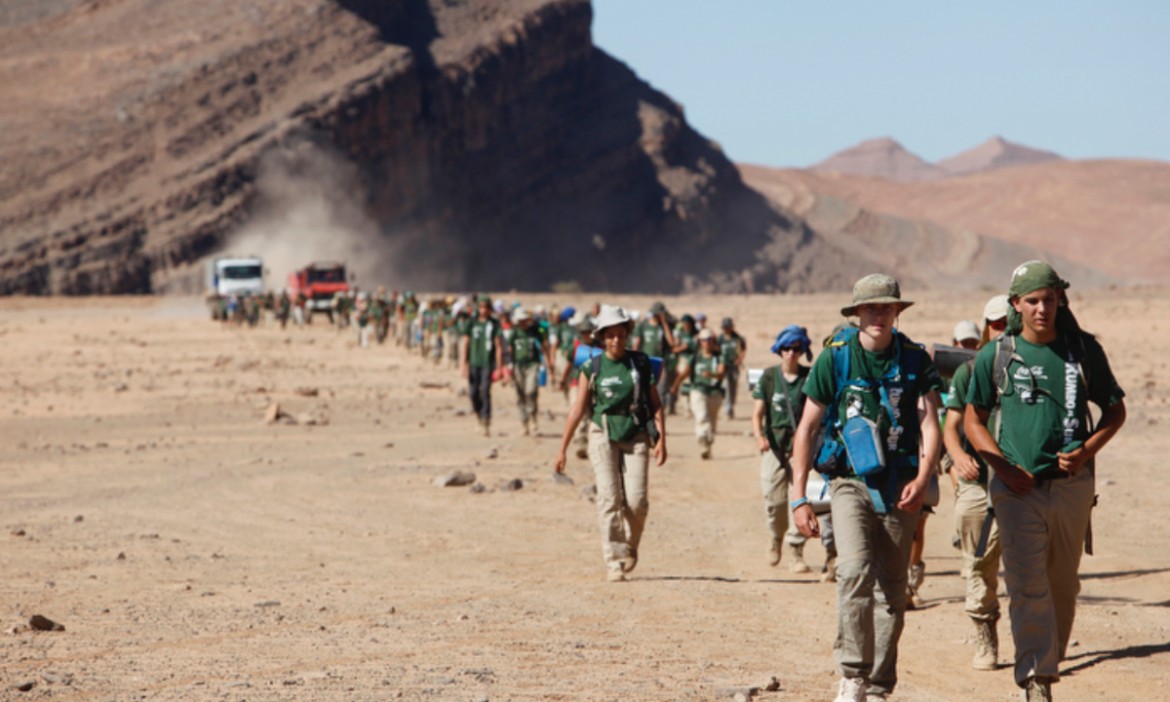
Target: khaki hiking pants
(982,574)
(774,480)
(705,408)
(526,390)
(622,502)
(873,551)
(1042,534)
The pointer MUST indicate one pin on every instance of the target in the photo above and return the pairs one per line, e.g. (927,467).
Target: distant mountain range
(1099,221)
(887,158)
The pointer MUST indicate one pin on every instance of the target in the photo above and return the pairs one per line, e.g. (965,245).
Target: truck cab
(318,282)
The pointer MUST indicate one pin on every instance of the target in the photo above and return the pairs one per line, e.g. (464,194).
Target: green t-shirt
(731,345)
(1044,411)
(904,394)
(784,403)
(957,400)
(567,335)
(613,395)
(482,336)
(704,374)
(653,338)
(525,347)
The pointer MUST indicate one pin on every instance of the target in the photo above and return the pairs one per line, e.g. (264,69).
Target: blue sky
(787,82)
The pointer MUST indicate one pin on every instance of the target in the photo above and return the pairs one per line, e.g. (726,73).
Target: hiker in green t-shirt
(874,390)
(527,351)
(685,345)
(1041,376)
(974,523)
(778,403)
(653,337)
(618,399)
(704,370)
(734,349)
(482,355)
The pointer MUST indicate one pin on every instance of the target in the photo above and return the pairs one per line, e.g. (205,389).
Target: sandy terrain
(194,552)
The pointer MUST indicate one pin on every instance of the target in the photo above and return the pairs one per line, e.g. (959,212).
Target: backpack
(643,372)
(831,457)
(768,383)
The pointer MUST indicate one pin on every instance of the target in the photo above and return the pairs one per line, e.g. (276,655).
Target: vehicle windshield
(327,275)
(240,272)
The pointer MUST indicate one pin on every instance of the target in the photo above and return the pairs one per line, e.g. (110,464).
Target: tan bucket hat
(876,289)
(611,316)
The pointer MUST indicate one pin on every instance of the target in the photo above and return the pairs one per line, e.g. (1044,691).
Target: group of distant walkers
(850,446)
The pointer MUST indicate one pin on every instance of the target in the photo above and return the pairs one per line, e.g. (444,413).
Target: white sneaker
(851,690)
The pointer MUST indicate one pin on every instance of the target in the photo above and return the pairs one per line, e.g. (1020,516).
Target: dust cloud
(309,207)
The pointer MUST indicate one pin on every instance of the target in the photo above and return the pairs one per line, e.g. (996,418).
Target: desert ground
(193,551)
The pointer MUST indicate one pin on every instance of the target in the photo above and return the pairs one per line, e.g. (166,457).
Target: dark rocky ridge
(494,146)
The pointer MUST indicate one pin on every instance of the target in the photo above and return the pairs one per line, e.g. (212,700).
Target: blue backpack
(850,446)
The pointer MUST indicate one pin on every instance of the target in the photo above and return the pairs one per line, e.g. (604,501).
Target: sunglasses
(792,349)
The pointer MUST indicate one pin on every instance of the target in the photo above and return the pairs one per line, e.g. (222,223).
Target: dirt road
(193,551)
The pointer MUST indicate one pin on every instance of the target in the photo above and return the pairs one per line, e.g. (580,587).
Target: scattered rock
(41,623)
(388,445)
(18,532)
(738,693)
(589,492)
(25,687)
(562,478)
(512,485)
(493,452)
(121,387)
(478,489)
(121,555)
(460,413)
(434,386)
(273,413)
(267,603)
(456,478)
(54,678)
(307,392)
(79,518)
(773,685)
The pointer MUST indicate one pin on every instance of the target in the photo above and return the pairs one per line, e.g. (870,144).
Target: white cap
(996,308)
(966,329)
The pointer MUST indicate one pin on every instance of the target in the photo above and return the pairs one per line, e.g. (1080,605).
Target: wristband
(797,503)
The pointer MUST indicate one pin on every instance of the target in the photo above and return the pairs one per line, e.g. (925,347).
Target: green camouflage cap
(875,289)
(1033,276)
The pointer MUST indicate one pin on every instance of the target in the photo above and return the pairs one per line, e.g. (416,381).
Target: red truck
(318,282)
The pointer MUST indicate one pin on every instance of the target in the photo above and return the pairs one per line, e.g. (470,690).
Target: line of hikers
(850,445)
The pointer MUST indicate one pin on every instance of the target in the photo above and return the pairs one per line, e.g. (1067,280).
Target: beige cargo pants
(705,408)
(525,379)
(982,574)
(622,501)
(774,481)
(1042,534)
(873,551)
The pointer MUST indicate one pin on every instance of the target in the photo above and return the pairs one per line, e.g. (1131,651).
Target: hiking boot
(706,454)
(774,552)
(1037,691)
(875,697)
(851,690)
(829,571)
(527,432)
(796,556)
(986,645)
(487,428)
(914,600)
(917,574)
(614,573)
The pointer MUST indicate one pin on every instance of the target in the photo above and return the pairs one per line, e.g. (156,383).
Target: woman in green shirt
(617,393)
(705,370)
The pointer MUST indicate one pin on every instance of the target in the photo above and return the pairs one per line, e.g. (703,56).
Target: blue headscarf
(567,313)
(793,335)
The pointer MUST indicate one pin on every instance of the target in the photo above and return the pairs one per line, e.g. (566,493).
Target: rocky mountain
(1110,218)
(993,154)
(441,144)
(880,158)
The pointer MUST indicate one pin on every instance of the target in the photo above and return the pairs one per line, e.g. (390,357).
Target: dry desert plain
(193,551)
